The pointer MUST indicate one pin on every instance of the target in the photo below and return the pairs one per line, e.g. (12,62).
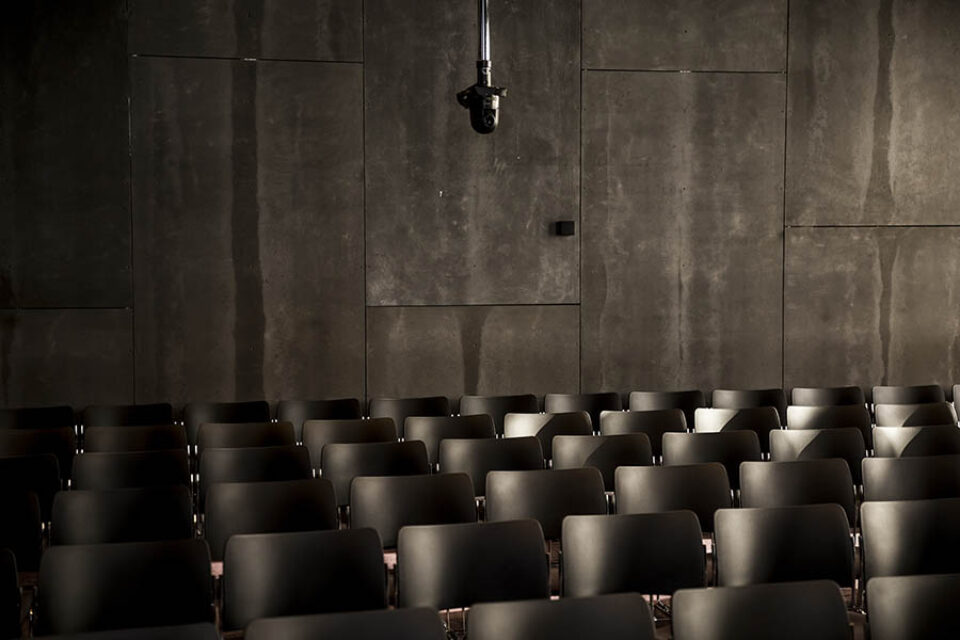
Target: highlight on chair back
(787,484)
(760,420)
(751,398)
(902,442)
(544,426)
(399,409)
(820,444)
(827,396)
(604,453)
(915,415)
(477,458)
(908,394)
(912,478)
(838,417)
(687,401)
(729,448)
(497,407)
(653,424)
(700,488)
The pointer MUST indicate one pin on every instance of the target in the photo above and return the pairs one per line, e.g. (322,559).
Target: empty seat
(9,596)
(653,424)
(128,415)
(785,484)
(477,458)
(544,426)
(219,435)
(497,407)
(60,442)
(451,566)
(252,464)
(318,433)
(914,415)
(389,624)
(387,503)
(399,409)
(915,394)
(296,412)
(701,488)
(729,448)
(760,420)
(653,553)
(39,474)
(914,607)
(280,574)
(751,398)
(902,442)
(604,453)
(591,403)
(37,417)
(131,469)
(20,527)
(916,478)
(818,444)
(909,537)
(341,463)
(122,515)
(623,616)
(785,611)
(196,413)
(199,631)
(839,417)
(147,438)
(687,401)
(826,396)
(124,585)
(432,429)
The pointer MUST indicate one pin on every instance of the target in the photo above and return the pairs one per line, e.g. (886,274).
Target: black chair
(319,433)
(914,607)
(839,417)
(128,415)
(653,423)
(196,413)
(147,438)
(236,435)
(296,412)
(477,458)
(604,453)
(729,448)
(701,488)
(544,426)
(760,420)
(199,631)
(918,478)
(37,418)
(39,474)
(910,537)
(652,553)
(687,401)
(389,624)
(916,394)
(20,527)
(914,415)
(252,464)
(9,596)
(122,515)
(387,503)
(282,574)
(432,429)
(130,470)
(827,396)
(399,409)
(818,444)
(751,398)
(498,406)
(903,442)
(546,496)
(591,403)
(341,463)
(60,442)
(622,616)
(124,586)
(450,566)
(787,484)
(785,611)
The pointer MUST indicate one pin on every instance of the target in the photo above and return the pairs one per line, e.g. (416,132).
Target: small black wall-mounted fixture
(564,227)
(482,98)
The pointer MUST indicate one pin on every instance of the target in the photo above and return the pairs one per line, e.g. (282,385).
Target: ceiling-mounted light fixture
(483,99)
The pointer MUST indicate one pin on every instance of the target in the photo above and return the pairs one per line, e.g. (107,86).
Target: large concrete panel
(874,129)
(682,253)
(701,35)
(248,229)
(64,169)
(417,351)
(285,29)
(454,217)
(66,356)
(872,306)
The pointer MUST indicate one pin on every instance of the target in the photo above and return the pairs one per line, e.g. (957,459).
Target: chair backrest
(432,429)
(621,616)
(198,631)
(387,503)
(910,537)
(701,488)
(296,412)
(903,442)
(785,611)
(838,417)
(760,420)
(281,574)
(388,624)
(449,566)
(319,433)
(591,403)
(146,438)
(37,417)
(9,596)
(654,423)
(128,415)
(402,408)
(751,398)
(476,458)
(914,607)
(122,515)
(916,478)
(650,553)
(39,474)
(544,426)
(687,401)
(252,464)
(604,453)
(914,415)
(546,496)
(133,469)
(196,413)
(729,448)
(914,394)
(341,463)
(819,444)
(498,406)
(827,396)
(235,435)
(60,442)
(20,527)
(786,484)
(124,586)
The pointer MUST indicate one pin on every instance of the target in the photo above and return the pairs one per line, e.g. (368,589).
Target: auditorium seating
(700,488)
(827,396)
(760,420)
(218,435)
(432,429)
(903,607)
(127,470)
(497,407)
(687,401)
(252,464)
(591,403)
(912,478)
(399,409)
(419,623)
(729,448)
(604,453)
(37,417)
(544,426)
(136,438)
(818,444)
(910,537)
(38,474)
(60,442)
(653,423)
(801,482)
(751,398)
(198,631)
(196,413)
(341,463)
(478,457)
(914,415)
(297,412)
(908,394)
(832,417)
(318,433)
(127,415)
(901,442)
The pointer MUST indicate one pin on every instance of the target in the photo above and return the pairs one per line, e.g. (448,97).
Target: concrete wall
(225,199)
